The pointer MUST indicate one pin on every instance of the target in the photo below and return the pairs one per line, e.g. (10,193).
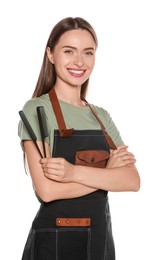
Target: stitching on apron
(82,135)
(88,245)
(56,244)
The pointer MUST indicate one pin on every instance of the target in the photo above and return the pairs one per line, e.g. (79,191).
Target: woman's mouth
(76,73)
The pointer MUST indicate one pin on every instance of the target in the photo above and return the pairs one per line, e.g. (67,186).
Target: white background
(124,82)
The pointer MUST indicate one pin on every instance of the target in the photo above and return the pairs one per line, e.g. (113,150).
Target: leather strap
(108,138)
(64,132)
(73,222)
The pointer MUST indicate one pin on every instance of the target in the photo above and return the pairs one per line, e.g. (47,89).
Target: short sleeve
(113,131)
(110,126)
(30,112)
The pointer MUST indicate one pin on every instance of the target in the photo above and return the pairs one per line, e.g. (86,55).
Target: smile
(76,73)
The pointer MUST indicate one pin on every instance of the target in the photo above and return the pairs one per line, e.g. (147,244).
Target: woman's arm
(111,179)
(47,189)
(119,175)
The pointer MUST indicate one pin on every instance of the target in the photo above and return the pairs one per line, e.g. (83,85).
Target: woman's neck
(69,95)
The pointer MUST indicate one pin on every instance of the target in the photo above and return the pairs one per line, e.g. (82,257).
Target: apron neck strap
(64,132)
(108,138)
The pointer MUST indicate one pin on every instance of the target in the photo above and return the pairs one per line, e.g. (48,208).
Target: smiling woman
(85,155)
(76,59)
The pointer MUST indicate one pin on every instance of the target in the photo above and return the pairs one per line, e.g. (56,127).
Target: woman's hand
(57,169)
(120,157)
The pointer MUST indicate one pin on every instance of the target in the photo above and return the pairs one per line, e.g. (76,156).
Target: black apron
(46,240)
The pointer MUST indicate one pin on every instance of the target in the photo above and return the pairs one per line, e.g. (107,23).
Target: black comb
(30,130)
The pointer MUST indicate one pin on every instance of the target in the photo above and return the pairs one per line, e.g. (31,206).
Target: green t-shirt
(79,118)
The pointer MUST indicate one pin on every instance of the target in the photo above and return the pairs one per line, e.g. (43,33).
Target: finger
(52,164)
(119,148)
(121,153)
(125,153)
(52,177)
(127,156)
(52,171)
(128,161)
(122,147)
(53,160)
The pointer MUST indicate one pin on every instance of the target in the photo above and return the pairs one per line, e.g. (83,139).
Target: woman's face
(74,57)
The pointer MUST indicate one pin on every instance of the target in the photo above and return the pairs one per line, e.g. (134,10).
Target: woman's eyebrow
(72,47)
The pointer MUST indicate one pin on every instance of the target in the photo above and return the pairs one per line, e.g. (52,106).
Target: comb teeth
(30,130)
(43,126)
(27,125)
(42,121)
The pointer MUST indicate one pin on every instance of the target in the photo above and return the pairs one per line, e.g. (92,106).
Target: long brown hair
(47,76)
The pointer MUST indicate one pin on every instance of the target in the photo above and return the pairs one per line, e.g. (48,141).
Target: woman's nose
(78,60)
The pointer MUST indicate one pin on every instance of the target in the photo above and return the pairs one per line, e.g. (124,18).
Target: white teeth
(77,71)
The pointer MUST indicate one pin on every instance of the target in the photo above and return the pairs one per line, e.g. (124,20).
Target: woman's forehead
(75,38)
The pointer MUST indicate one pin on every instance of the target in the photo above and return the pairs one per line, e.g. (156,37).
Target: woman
(83,160)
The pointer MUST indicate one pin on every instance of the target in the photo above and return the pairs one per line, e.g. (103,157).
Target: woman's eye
(89,53)
(68,51)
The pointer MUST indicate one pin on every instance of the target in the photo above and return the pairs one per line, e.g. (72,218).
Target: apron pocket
(45,244)
(60,244)
(92,158)
(73,243)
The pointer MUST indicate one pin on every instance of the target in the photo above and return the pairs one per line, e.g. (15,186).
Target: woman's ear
(50,55)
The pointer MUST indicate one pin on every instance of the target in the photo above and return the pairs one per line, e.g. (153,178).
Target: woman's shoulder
(35,102)
(30,107)
(101,111)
